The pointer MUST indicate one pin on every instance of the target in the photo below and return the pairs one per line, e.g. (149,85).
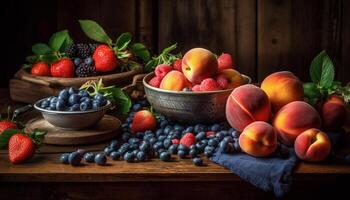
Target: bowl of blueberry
(73,109)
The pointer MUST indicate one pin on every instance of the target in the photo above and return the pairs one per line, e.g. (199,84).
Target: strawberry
(63,68)
(21,148)
(225,61)
(209,84)
(175,141)
(143,120)
(105,59)
(188,139)
(221,81)
(177,65)
(4,125)
(196,88)
(40,69)
(162,69)
(155,81)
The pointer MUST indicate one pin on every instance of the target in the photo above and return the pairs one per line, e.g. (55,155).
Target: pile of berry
(73,100)
(82,57)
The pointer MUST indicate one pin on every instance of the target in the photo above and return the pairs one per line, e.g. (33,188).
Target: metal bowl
(189,107)
(73,120)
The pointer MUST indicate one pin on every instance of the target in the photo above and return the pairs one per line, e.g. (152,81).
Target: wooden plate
(106,129)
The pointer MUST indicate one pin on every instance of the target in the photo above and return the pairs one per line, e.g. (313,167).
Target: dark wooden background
(263,36)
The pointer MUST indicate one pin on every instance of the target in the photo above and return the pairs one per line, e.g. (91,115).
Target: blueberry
(153,140)
(235,134)
(186,89)
(134,140)
(128,157)
(167,129)
(167,143)
(53,106)
(136,107)
(223,145)
(87,99)
(159,132)
(89,157)
(144,102)
(64,158)
(81,152)
(178,127)
(74,158)
(99,97)
(220,135)
(163,124)
(173,149)
(141,156)
(88,61)
(126,136)
(83,93)
(201,145)
(53,100)
(197,161)
(128,120)
(228,139)
(201,136)
(60,105)
(115,155)
(135,152)
(181,153)
(215,127)
(73,90)
(74,107)
(134,146)
(100,159)
(64,94)
(84,106)
(182,147)
(165,156)
(212,142)
(145,146)
(208,151)
(108,151)
(189,129)
(161,138)
(193,153)
(199,128)
(157,146)
(139,135)
(77,61)
(74,99)
(236,147)
(114,145)
(44,104)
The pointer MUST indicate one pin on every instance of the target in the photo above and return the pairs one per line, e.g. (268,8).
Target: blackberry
(71,51)
(93,47)
(84,50)
(85,70)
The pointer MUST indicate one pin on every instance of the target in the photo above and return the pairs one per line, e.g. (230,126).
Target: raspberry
(225,61)
(162,69)
(155,81)
(210,133)
(175,141)
(221,81)
(196,88)
(188,139)
(209,84)
(177,65)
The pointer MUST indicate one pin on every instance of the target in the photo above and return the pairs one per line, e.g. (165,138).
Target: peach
(333,113)
(258,139)
(312,145)
(246,104)
(199,64)
(233,77)
(174,80)
(282,88)
(294,118)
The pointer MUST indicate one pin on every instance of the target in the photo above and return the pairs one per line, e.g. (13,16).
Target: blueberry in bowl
(73,109)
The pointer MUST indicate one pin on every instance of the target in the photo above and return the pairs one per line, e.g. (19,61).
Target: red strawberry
(63,68)
(162,69)
(21,148)
(196,88)
(225,61)
(221,81)
(188,139)
(4,125)
(155,81)
(143,120)
(105,59)
(177,65)
(175,141)
(210,133)
(209,84)
(40,69)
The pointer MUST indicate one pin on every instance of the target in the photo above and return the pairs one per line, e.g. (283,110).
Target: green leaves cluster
(52,51)
(36,136)
(323,84)
(163,58)
(123,48)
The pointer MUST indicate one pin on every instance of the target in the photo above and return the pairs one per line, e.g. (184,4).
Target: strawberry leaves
(164,58)
(95,32)
(5,137)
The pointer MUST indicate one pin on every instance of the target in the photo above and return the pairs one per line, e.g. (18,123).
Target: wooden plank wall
(263,36)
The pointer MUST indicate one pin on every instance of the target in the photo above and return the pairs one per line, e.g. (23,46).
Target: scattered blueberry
(165,156)
(136,107)
(101,159)
(74,158)
(181,153)
(89,157)
(77,61)
(108,151)
(193,153)
(201,136)
(141,156)
(64,158)
(173,149)
(115,155)
(197,161)
(215,127)
(88,61)
(129,157)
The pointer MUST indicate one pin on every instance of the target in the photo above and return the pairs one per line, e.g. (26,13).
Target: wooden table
(43,177)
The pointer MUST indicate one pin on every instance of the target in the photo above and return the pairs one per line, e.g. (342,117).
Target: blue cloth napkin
(273,174)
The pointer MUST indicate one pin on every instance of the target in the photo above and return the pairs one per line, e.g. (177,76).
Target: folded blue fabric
(271,174)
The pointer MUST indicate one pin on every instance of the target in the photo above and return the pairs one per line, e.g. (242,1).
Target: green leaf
(94,31)
(322,70)
(141,51)
(41,49)
(169,49)
(150,65)
(57,39)
(5,137)
(121,99)
(31,59)
(311,90)
(123,41)
(49,58)
(39,132)
(66,42)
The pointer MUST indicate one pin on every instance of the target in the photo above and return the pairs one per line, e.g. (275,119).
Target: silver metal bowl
(73,120)
(189,107)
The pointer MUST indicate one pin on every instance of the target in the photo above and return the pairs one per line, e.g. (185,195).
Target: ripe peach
(246,104)
(258,139)
(199,64)
(174,80)
(282,88)
(294,118)
(234,78)
(333,113)
(312,145)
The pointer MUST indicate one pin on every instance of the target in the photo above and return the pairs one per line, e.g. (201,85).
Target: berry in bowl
(195,92)
(73,109)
